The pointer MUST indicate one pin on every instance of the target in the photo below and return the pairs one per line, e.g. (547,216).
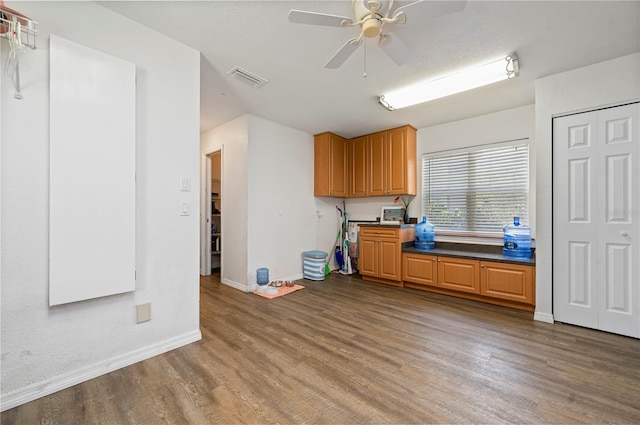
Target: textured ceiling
(548,36)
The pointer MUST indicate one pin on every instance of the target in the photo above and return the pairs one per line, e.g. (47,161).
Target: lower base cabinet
(507,281)
(381,253)
(458,275)
(420,269)
(506,284)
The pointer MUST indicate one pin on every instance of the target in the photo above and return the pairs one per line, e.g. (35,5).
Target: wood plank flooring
(345,351)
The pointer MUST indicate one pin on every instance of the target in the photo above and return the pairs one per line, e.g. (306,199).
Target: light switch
(185,208)
(185,184)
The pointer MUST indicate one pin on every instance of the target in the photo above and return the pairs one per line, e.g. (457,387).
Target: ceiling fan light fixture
(471,78)
(371,28)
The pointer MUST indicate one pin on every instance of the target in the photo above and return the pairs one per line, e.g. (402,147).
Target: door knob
(624,234)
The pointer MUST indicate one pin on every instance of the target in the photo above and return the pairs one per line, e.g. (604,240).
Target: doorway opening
(211,247)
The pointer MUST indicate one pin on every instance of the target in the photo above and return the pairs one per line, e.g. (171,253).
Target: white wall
(282,211)
(46,349)
(503,126)
(269,213)
(233,139)
(516,123)
(603,84)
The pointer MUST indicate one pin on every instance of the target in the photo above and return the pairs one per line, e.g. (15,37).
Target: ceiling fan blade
(427,9)
(394,48)
(314,18)
(344,53)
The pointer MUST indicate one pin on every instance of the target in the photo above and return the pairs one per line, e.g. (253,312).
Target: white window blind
(476,190)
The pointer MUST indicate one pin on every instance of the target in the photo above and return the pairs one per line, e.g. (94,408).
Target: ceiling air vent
(247,77)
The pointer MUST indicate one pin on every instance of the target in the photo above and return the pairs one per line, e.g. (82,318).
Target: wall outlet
(143,312)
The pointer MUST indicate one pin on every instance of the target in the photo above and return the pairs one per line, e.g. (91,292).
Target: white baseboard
(543,317)
(69,379)
(235,285)
(298,276)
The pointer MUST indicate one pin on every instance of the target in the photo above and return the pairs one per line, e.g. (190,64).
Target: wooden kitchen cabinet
(378,164)
(330,165)
(392,162)
(512,282)
(377,144)
(506,284)
(444,272)
(380,257)
(459,274)
(359,161)
(401,161)
(420,269)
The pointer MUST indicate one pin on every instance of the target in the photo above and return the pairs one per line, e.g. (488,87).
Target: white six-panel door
(596,219)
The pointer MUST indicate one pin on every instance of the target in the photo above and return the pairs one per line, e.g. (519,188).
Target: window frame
(490,237)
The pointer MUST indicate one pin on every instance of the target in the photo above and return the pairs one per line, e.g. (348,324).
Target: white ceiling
(548,36)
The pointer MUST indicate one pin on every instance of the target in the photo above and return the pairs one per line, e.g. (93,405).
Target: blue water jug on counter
(517,240)
(425,235)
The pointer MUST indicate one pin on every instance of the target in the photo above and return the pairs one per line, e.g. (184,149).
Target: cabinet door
(418,268)
(338,183)
(397,158)
(507,281)
(389,259)
(368,259)
(459,274)
(377,161)
(359,166)
(330,165)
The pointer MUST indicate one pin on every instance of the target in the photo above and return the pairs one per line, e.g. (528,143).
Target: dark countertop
(393,226)
(471,252)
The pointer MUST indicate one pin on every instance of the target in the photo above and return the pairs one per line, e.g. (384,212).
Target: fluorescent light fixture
(464,80)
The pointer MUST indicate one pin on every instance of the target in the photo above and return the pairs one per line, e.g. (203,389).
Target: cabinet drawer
(382,232)
(507,281)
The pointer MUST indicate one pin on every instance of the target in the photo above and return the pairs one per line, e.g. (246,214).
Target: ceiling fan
(374,15)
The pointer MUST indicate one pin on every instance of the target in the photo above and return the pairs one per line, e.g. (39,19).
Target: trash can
(313,264)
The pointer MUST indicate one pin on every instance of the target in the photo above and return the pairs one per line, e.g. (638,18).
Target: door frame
(553,209)
(205,209)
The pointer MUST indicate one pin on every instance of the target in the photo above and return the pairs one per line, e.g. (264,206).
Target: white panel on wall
(92,173)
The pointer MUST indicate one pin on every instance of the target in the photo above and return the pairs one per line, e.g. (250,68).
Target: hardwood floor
(345,351)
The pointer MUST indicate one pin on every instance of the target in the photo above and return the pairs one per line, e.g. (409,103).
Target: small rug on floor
(283,290)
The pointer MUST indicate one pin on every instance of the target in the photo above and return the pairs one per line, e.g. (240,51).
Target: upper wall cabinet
(330,166)
(378,164)
(400,161)
(383,163)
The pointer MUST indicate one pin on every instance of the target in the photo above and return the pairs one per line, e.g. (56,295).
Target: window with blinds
(476,190)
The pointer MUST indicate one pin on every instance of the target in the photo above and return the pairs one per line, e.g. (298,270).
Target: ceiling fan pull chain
(364,75)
